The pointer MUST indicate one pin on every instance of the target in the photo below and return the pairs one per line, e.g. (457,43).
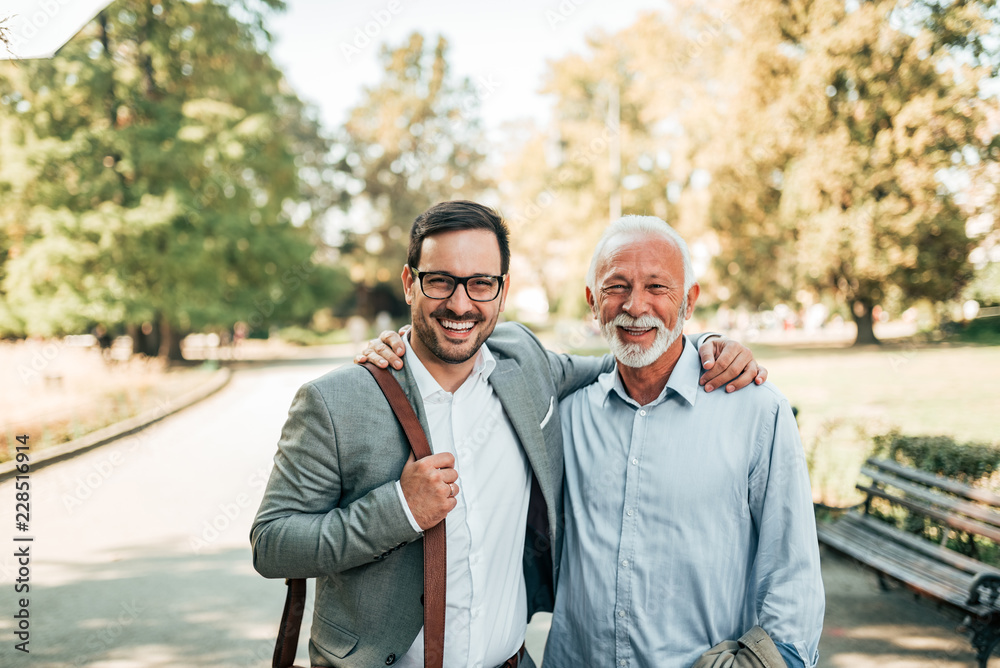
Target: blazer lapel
(508,383)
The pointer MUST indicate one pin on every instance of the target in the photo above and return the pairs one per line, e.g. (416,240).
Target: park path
(141,558)
(141,554)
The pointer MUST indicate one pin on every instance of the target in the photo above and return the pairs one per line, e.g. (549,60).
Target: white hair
(635,226)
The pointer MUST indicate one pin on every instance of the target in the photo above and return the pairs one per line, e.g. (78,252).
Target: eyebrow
(620,277)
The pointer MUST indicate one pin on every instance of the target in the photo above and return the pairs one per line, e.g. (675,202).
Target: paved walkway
(866,627)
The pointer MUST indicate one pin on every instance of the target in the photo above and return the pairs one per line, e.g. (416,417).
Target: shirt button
(635,461)
(642,413)
(622,662)
(625,563)
(629,512)
(621,613)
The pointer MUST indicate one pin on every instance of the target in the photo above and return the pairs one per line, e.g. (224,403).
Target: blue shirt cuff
(788,653)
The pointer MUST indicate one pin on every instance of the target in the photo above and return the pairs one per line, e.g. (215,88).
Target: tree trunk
(145,342)
(133,330)
(170,342)
(862,313)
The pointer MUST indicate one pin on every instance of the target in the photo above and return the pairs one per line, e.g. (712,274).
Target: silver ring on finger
(451,489)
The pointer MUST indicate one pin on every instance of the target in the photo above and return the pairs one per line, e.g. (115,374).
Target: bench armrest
(984,590)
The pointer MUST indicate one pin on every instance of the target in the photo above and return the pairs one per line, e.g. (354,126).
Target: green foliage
(848,187)
(819,151)
(414,140)
(981,330)
(627,119)
(160,169)
(972,463)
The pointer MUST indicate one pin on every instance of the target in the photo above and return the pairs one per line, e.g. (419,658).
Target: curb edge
(115,431)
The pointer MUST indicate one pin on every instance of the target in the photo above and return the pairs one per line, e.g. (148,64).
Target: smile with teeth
(457,326)
(636,331)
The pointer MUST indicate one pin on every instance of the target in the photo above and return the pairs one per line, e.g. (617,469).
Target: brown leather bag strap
(435,545)
(401,407)
(291,623)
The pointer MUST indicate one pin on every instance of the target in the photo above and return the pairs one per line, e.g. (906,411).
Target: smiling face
(452,330)
(639,298)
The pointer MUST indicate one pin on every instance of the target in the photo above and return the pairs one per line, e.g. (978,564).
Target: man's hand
(429,487)
(385,350)
(725,360)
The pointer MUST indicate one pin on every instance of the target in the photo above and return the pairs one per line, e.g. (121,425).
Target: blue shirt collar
(683,379)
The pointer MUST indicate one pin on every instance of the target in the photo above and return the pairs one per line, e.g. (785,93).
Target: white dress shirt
(486,612)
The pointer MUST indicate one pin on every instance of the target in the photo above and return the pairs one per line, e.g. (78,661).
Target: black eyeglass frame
(459,280)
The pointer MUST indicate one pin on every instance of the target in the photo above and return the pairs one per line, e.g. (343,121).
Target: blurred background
(194,187)
(184,184)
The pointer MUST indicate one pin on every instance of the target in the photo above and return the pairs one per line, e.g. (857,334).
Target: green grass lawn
(844,395)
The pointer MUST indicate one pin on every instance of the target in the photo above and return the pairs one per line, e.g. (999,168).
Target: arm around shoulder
(569,372)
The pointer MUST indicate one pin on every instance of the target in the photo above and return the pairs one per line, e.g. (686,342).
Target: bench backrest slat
(914,542)
(915,491)
(960,523)
(931,480)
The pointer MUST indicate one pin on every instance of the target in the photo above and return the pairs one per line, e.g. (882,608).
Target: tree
(414,140)
(837,159)
(625,128)
(159,169)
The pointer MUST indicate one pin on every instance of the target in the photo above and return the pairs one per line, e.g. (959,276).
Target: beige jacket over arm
(754,650)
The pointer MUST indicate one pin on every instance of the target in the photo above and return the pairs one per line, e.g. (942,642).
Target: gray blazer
(331,512)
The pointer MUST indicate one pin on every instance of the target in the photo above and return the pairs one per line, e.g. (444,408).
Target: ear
(591,302)
(503,291)
(692,298)
(408,283)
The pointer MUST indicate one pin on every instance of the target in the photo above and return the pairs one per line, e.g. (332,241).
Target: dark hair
(458,215)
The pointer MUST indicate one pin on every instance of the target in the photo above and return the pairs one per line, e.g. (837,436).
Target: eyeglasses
(439,285)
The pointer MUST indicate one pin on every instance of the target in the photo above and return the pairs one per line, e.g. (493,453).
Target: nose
(635,304)
(459,301)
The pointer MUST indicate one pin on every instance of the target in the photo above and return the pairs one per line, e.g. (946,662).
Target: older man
(688,515)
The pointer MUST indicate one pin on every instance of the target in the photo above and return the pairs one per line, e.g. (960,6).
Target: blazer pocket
(334,640)
(548,415)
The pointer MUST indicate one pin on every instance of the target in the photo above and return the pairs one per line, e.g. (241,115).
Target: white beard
(633,354)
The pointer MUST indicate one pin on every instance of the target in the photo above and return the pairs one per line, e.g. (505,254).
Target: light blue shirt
(688,521)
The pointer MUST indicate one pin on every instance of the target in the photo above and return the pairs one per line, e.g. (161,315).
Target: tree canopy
(851,187)
(820,151)
(415,139)
(160,170)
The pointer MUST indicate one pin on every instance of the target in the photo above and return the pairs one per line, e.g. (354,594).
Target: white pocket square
(548,416)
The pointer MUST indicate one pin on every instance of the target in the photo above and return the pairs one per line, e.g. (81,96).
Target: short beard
(452,354)
(633,354)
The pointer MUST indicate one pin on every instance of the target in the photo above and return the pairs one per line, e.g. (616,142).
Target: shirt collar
(683,379)
(427,385)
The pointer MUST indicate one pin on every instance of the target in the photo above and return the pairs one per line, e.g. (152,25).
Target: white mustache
(642,322)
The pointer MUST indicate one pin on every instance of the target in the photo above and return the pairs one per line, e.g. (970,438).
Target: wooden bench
(931,569)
